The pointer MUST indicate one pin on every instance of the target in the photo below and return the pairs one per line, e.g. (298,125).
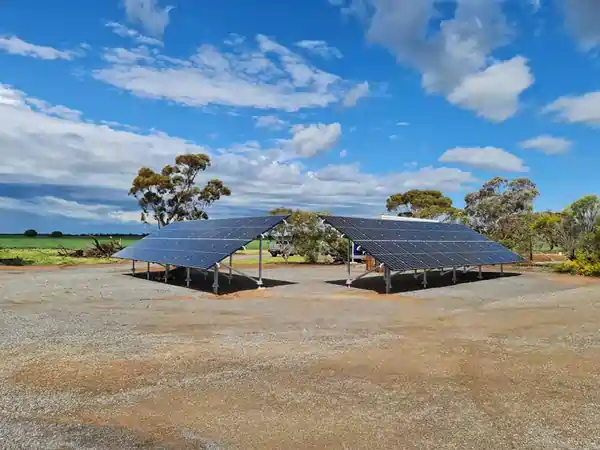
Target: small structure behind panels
(201,245)
(407,245)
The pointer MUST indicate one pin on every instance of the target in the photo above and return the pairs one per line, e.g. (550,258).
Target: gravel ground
(93,358)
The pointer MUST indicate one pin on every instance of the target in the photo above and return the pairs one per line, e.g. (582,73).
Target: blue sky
(322,104)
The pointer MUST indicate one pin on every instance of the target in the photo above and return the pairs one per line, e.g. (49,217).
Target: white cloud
(446,57)
(54,206)
(355,94)
(149,14)
(270,122)
(17,46)
(343,153)
(402,124)
(320,48)
(577,109)
(67,152)
(582,18)
(393,137)
(136,36)
(494,92)
(548,144)
(309,140)
(267,77)
(490,158)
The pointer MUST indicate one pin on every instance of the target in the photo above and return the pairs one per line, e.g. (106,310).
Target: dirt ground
(94,358)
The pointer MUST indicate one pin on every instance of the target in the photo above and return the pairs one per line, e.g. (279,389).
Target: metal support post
(216,279)
(454,275)
(230,265)
(148,271)
(502,269)
(387,275)
(425,279)
(260,252)
(167,272)
(188,278)
(480,276)
(349,279)
(133,267)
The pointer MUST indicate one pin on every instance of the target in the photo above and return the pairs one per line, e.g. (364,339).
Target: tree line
(501,209)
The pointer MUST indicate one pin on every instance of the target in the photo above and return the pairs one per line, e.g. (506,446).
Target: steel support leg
(260,262)
(454,275)
(387,275)
(188,278)
(133,267)
(349,279)
(502,269)
(148,271)
(230,269)
(425,279)
(167,273)
(216,279)
(480,276)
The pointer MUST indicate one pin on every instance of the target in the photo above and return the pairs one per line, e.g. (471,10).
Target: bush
(30,233)
(56,234)
(589,267)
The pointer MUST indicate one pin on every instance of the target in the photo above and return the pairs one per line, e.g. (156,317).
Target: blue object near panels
(408,245)
(198,244)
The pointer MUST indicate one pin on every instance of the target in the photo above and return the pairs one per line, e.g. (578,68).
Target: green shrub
(30,233)
(56,234)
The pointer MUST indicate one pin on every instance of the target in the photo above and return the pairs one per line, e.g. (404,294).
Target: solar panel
(198,244)
(407,245)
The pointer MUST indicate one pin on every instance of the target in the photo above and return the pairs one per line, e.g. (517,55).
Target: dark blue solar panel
(198,244)
(407,245)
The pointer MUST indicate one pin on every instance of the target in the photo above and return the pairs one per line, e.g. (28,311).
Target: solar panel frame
(408,245)
(199,244)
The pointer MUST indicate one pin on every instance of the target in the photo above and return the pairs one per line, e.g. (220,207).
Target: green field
(76,242)
(70,242)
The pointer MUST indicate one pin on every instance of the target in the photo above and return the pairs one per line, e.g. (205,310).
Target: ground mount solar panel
(199,244)
(413,245)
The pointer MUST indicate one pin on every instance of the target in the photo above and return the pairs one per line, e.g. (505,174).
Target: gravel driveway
(92,358)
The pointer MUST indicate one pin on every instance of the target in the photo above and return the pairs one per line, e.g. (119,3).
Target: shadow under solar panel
(408,245)
(198,244)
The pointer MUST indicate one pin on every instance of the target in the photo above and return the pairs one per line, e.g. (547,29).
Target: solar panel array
(408,245)
(198,244)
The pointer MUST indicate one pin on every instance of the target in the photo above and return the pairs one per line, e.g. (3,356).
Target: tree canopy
(420,203)
(498,207)
(172,195)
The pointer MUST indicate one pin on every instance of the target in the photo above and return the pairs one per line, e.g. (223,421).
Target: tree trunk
(530,248)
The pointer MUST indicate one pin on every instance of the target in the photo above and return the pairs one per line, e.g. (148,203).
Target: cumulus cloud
(582,18)
(449,55)
(68,152)
(320,48)
(309,140)
(490,158)
(267,76)
(355,94)
(149,14)
(494,92)
(577,109)
(17,46)
(548,144)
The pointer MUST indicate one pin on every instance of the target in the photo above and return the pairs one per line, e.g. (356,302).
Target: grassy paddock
(48,257)
(46,242)
(268,260)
